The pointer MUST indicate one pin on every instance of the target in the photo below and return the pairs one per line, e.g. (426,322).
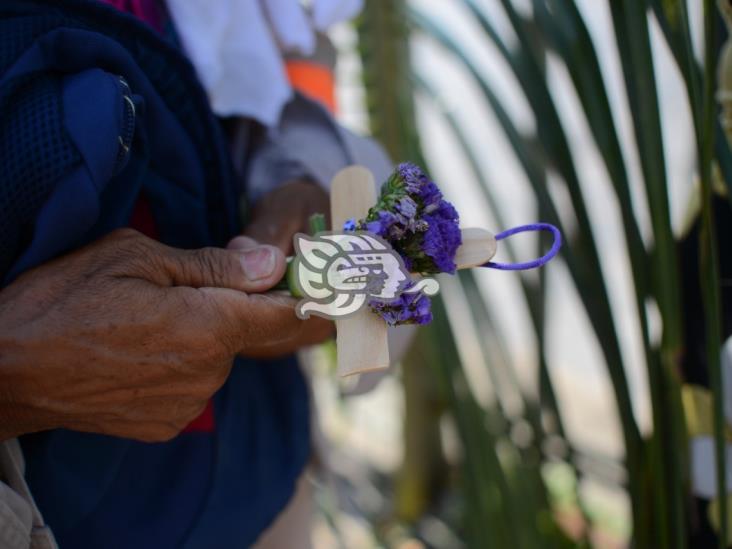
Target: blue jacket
(94,109)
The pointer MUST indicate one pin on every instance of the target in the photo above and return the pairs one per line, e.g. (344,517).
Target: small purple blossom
(446,211)
(430,195)
(375,227)
(412,308)
(411,175)
(418,185)
(407,207)
(349,225)
(385,224)
(442,239)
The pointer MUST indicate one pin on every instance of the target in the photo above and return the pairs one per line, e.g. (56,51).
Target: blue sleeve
(62,138)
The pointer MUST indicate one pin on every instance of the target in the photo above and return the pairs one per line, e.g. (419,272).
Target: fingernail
(258,263)
(242,243)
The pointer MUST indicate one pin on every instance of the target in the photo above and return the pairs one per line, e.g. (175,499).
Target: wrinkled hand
(311,331)
(129,337)
(282,213)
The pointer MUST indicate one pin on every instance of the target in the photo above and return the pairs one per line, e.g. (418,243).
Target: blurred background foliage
(498,468)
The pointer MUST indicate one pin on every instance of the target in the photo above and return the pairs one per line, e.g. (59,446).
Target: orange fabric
(314,80)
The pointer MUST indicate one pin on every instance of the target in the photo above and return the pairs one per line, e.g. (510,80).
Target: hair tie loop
(536,262)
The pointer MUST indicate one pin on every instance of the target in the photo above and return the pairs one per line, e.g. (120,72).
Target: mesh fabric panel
(36,152)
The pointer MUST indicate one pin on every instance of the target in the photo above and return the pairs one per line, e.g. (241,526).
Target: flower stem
(316,223)
(288,283)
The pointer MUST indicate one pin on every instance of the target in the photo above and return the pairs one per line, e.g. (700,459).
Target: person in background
(144,366)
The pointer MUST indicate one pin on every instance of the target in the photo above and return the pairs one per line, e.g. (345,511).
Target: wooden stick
(361,338)
(478,247)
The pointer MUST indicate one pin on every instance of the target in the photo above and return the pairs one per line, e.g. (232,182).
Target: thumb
(251,270)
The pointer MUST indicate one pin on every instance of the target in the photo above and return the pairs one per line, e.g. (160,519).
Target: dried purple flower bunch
(413,308)
(413,216)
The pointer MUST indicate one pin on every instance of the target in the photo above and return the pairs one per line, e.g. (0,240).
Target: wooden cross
(362,338)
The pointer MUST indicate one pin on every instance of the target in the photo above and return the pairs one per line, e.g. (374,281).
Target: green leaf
(580,250)
(709,262)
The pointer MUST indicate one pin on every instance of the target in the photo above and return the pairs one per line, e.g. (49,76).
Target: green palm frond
(506,502)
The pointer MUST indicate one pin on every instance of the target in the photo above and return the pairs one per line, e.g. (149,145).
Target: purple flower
(414,308)
(446,211)
(385,224)
(407,207)
(408,263)
(349,225)
(375,227)
(413,216)
(442,238)
(430,195)
(411,175)
(418,185)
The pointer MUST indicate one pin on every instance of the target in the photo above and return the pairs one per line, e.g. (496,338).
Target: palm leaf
(580,252)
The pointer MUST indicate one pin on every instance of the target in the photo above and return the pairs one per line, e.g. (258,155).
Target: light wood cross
(362,337)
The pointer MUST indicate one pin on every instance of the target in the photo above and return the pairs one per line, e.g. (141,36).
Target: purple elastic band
(536,262)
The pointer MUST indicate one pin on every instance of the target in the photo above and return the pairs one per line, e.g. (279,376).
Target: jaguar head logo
(339,273)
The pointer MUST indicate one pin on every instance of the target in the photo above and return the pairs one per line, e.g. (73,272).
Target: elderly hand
(285,211)
(129,337)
